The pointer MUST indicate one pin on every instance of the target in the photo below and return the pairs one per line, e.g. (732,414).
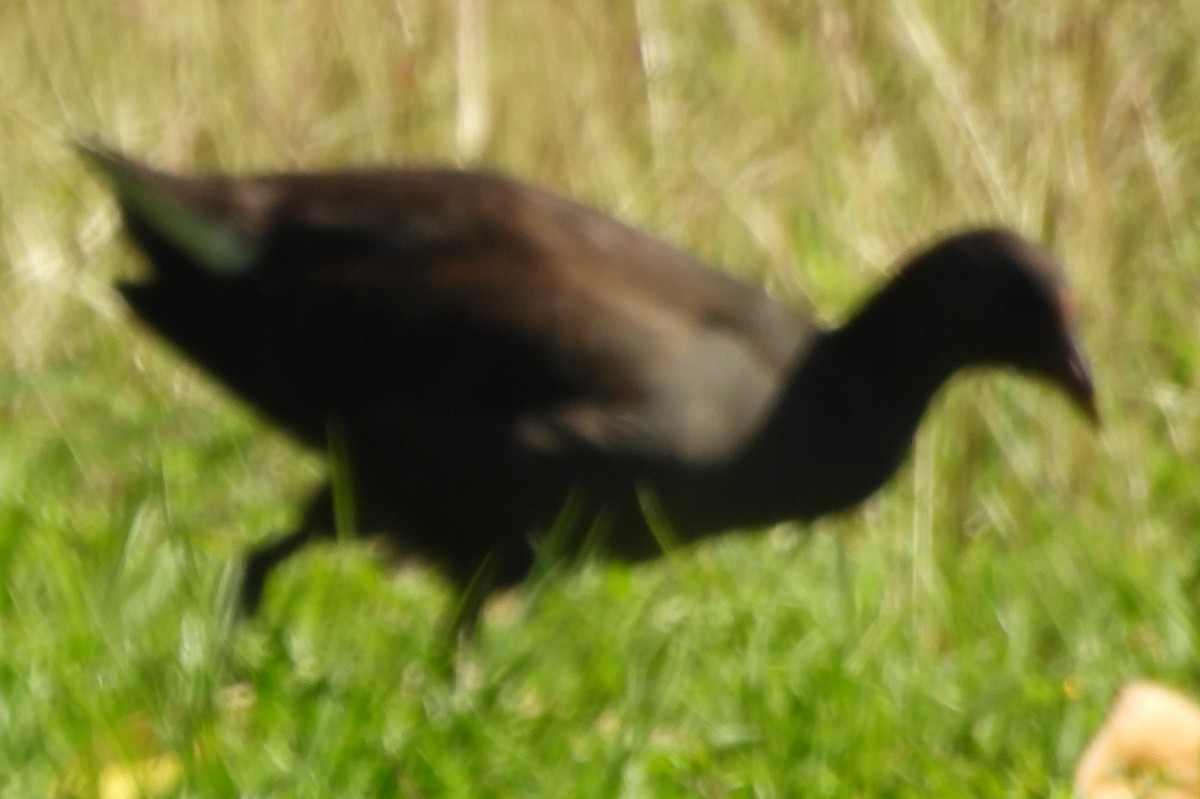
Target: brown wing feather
(394,296)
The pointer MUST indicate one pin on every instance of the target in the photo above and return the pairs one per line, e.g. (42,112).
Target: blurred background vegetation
(960,636)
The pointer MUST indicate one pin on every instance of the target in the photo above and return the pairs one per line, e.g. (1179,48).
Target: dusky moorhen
(487,354)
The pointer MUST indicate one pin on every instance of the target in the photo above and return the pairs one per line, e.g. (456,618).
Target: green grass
(961,635)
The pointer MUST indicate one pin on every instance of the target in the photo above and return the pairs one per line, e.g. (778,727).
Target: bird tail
(156,206)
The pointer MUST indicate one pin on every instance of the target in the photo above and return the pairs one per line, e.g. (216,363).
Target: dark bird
(505,372)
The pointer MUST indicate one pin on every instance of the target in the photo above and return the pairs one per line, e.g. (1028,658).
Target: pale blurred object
(1148,748)
(473,118)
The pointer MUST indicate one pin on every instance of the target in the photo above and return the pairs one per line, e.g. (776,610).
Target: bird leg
(463,621)
(261,560)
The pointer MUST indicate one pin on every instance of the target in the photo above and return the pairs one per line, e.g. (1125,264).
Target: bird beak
(1071,372)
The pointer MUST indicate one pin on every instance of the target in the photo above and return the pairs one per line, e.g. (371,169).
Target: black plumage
(489,354)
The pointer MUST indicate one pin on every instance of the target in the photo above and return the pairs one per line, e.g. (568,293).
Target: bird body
(498,362)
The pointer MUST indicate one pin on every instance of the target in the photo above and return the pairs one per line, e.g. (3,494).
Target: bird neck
(908,341)
(848,415)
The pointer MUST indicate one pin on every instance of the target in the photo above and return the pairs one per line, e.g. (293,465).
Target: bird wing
(449,302)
